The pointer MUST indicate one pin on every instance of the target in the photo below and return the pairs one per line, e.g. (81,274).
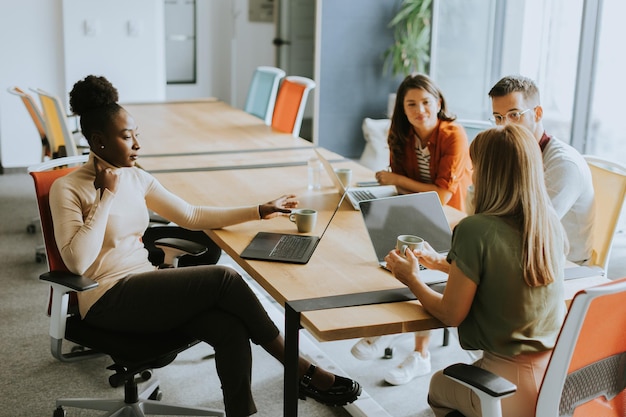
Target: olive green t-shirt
(507,317)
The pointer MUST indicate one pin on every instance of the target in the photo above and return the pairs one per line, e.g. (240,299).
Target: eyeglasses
(512,116)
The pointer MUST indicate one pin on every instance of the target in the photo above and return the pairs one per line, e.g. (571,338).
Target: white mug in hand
(304,219)
(410,242)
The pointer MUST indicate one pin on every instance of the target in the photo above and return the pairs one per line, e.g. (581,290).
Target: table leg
(291,380)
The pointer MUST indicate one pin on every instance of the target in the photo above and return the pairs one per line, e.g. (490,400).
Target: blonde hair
(509,182)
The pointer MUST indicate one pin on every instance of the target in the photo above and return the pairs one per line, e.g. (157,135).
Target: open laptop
(419,214)
(359,194)
(285,247)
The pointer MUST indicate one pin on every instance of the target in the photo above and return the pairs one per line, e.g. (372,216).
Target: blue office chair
(262,92)
(473,127)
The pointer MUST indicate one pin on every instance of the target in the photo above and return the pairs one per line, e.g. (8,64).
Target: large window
(606,135)
(550,39)
(463,54)
(571,48)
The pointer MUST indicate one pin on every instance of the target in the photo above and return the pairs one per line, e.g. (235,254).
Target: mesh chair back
(587,372)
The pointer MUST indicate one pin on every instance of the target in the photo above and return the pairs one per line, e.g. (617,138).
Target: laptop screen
(418,214)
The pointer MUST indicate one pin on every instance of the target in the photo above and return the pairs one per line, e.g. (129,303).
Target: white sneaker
(372,347)
(413,366)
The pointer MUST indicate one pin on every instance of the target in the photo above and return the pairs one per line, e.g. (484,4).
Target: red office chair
(290,104)
(133,355)
(586,375)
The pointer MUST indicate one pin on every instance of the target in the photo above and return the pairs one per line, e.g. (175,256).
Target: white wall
(32,50)
(119,39)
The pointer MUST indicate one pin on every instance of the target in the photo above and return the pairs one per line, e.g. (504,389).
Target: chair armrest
(157,219)
(174,248)
(64,283)
(488,382)
(69,280)
(185,246)
(489,387)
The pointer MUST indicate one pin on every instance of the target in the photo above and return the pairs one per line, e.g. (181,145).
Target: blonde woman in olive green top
(505,266)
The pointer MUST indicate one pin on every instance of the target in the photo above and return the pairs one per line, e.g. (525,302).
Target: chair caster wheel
(115,381)
(146,375)
(157,394)
(30,229)
(40,258)
(59,412)
(77,348)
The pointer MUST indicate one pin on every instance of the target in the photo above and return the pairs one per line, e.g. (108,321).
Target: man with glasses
(515,99)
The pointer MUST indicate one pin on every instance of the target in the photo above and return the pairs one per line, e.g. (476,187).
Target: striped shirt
(423,161)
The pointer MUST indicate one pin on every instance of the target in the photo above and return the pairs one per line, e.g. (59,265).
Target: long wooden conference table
(209,153)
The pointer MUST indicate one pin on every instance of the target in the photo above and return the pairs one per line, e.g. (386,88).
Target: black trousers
(211,303)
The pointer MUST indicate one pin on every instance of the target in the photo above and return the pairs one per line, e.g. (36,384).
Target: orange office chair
(35,114)
(586,375)
(134,355)
(290,104)
(46,152)
(262,92)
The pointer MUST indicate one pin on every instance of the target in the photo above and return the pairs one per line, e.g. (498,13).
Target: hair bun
(91,93)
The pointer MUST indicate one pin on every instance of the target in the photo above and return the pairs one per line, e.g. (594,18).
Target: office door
(295,47)
(295,36)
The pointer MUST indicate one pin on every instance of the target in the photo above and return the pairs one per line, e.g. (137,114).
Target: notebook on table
(356,195)
(418,214)
(285,247)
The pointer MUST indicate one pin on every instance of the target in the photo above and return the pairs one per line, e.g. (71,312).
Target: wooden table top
(344,262)
(210,153)
(207,126)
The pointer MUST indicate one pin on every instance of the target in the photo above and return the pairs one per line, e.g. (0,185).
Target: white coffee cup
(304,219)
(411,242)
(344,175)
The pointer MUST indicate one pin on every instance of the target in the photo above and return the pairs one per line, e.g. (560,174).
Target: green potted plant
(410,52)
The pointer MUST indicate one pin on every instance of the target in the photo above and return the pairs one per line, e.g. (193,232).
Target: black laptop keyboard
(291,247)
(362,195)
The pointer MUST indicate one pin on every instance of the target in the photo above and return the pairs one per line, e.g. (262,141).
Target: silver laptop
(418,214)
(356,195)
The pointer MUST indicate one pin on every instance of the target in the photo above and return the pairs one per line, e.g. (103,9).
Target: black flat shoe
(342,392)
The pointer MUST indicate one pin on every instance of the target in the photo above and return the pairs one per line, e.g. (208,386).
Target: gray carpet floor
(31,379)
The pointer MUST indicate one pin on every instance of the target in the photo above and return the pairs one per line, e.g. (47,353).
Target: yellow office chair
(62,140)
(609,183)
(134,355)
(290,104)
(586,375)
